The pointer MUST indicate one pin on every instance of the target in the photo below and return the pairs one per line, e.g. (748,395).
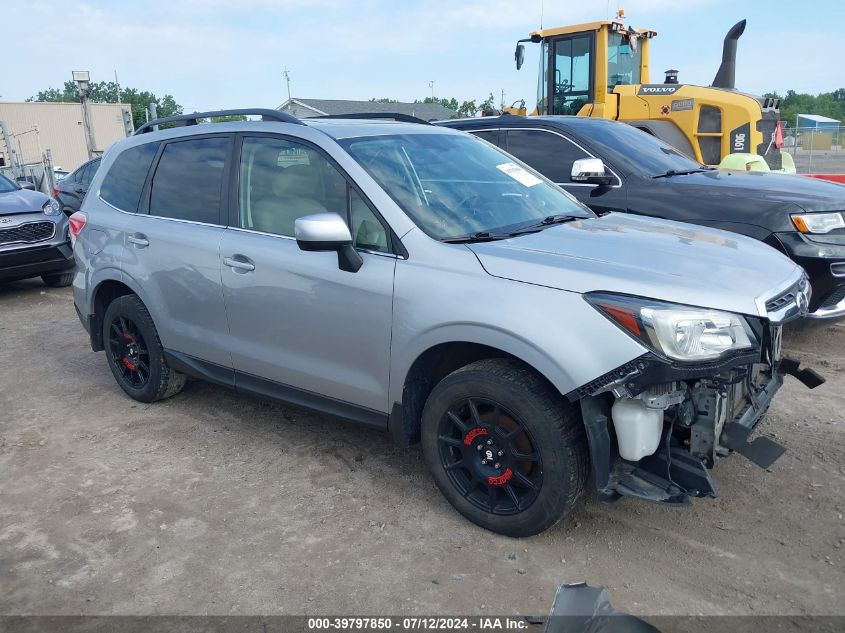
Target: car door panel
(176,258)
(296,320)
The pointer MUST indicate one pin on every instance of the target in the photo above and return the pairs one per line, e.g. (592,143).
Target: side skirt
(255,385)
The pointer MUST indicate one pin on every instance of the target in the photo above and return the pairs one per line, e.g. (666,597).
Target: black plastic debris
(579,608)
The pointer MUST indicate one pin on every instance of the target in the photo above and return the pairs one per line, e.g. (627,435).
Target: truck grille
(28,233)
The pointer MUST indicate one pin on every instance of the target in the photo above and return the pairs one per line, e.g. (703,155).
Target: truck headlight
(51,207)
(817,222)
(676,331)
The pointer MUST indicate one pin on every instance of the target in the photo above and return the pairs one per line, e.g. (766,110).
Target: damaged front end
(658,424)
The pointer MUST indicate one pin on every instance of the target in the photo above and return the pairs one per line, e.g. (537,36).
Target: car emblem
(801,302)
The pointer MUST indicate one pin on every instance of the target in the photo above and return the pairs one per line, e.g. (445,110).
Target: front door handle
(79,190)
(241,264)
(139,240)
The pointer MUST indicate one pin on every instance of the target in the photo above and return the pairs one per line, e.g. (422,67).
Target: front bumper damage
(708,412)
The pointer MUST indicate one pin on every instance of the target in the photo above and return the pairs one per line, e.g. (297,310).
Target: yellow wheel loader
(601,69)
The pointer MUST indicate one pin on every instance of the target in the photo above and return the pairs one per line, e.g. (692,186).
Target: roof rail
(390,116)
(193,118)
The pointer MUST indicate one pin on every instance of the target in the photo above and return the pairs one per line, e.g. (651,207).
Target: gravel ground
(216,503)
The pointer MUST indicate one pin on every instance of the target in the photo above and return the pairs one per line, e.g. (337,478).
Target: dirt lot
(215,503)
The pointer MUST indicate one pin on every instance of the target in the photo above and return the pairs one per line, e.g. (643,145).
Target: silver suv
(419,280)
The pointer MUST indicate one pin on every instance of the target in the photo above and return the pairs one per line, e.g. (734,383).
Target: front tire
(134,352)
(504,447)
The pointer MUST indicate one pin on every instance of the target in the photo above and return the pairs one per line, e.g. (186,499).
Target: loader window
(623,61)
(572,74)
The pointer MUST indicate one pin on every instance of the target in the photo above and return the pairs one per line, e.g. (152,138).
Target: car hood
(658,259)
(810,194)
(21,201)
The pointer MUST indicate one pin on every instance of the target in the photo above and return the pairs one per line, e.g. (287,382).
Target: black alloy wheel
(490,456)
(129,353)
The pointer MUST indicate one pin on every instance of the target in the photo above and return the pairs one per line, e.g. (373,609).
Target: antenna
(286,74)
(542,3)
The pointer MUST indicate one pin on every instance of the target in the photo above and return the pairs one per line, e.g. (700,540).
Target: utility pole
(431,85)
(286,74)
(153,114)
(117,86)
(83,85)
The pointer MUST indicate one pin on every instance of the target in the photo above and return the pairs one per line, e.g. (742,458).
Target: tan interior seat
(295,192)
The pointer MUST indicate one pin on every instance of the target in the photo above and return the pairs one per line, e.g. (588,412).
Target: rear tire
(134,352)
(501,409)
(58,281)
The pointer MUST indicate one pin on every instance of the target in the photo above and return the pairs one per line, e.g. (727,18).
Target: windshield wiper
(481,236)
(546,222)
(683,172)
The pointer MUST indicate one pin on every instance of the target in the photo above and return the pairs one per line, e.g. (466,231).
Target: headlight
(51,207)
(817,222)
(676,331)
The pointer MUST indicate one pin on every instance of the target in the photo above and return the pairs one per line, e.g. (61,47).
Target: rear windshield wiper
(682,172)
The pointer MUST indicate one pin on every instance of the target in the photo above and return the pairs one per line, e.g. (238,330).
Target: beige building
(60,129)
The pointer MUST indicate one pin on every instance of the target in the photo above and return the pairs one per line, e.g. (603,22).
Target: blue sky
(231,53)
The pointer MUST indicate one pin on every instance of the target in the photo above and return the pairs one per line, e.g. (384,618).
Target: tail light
(56,191)
(77,223)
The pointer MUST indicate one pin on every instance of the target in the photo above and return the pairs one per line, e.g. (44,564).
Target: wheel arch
(104,293)
(428,368)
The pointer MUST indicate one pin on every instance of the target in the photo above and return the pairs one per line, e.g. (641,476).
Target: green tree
(106,92)
(829,104)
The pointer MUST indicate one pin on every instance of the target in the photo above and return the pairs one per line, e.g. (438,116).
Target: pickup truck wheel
(135,354)
(504,447)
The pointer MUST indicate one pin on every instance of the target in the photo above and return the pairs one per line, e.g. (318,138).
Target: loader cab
(580,66)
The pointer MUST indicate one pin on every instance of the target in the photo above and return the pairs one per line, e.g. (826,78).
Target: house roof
(817,118)
(425,111)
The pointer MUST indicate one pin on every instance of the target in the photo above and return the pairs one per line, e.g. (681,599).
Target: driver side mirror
(322,232)
(519,55)
(590,170)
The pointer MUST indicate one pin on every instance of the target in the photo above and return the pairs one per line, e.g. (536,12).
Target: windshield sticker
(519,174)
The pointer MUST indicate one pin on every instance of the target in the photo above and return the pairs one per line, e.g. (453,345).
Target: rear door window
(550,154)
(125,179)
(189,178)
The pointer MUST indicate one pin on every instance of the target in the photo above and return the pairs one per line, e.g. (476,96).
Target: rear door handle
(239,263)
(138,240)
(79,190)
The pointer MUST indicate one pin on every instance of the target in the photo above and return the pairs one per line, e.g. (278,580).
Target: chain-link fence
(816,150)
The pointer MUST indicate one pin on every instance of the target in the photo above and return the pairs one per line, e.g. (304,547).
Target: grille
(28,233)
(834,297)
(782,301)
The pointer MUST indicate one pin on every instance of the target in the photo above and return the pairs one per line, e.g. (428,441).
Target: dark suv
(611,166)
(70,191)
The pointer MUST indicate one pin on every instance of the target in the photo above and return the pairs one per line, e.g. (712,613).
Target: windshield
(7,185)
(636,151)
(623,62)
(457,185)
